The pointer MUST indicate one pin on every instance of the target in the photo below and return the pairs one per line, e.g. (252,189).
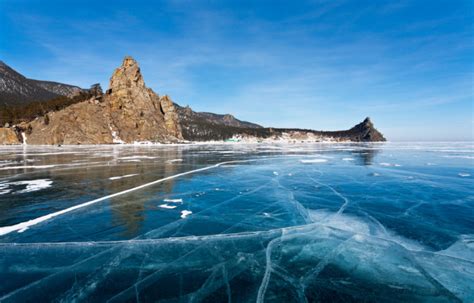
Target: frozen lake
(238,223)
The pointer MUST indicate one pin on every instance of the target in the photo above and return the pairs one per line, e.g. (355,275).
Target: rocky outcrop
(365,131)
(171,116)
(137,113)
(81,123)
(8,136)
(128,112)
(202,130)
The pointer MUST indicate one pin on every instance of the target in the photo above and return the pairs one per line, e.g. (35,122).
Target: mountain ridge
(16,89)
(130,112)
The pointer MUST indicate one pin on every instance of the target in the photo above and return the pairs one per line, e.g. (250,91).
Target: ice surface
(307,233)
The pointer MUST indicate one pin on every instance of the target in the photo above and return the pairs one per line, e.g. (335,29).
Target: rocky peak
(367,131)
(127,76)
(367,123)
(136,112)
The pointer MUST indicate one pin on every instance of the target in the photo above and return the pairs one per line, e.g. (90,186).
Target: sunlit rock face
(136,112)
(8,136)
(128,112)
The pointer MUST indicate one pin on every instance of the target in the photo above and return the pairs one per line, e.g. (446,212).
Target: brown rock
(135,111)
(171,116)
(129,112)
(8,136)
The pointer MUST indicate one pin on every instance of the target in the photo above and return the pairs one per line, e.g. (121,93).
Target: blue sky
(316,64)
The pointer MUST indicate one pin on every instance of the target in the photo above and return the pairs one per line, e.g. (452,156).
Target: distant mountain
(192,117)
(131,112)
(16,89)
(202,130)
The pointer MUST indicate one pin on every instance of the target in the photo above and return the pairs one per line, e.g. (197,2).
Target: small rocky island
(130,112)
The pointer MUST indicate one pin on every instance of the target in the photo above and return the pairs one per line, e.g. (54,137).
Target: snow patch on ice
(173,200)
(121,177)
(136,157)
(459,156)
(313,160)
(167,206)
(348,159)
(185,213)
(31,186)
(389,164)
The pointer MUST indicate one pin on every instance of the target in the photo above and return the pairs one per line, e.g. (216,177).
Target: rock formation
(365,131)
(136,113)
(128,112)
(8,136)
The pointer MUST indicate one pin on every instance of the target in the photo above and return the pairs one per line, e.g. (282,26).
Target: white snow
(31,186)
(185,213)
(167,206)
(136,157)
(389,164)
(173,200)
(121,177)
(175,160)
(23,135)
(313,160)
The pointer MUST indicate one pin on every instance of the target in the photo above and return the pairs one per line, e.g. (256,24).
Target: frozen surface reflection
(241,223)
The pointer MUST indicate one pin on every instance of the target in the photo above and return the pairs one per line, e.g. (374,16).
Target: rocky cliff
(128,112)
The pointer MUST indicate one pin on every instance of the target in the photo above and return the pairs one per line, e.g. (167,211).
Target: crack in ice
(24,225)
